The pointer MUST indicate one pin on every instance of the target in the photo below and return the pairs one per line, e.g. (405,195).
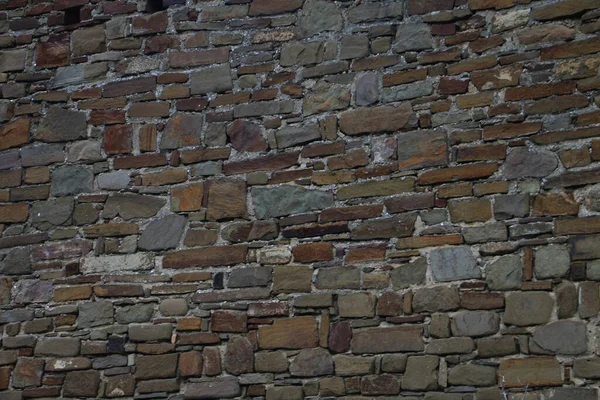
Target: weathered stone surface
(438,298)
(60,125)
(156,366)
(587,367)
(517,305)
(387,340)
(421,373)
(82,384)
(472,375)
(290,136)
(57,347)
(246,136)
(413,36)
(312,362)
(226,199)
(453,263)
(217,388)
(522,162)
(286,199)
(71,180)
(182,130)
(475,323)
(397,226)
(28,372)
(551,262)
(211,80)
(504,273)
(426,149)
(551,337)
(326,97)
(367,89)
(32,291)
(292,333)
(302,53)
(95,314)
(377,119)
(413,273)
(130,206)
(531,372)
(319,16)
(239,357)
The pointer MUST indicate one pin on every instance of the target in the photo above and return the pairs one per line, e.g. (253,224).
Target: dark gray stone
(572,393)
(409,274)
(51,213)
(505,273)
(60,125)
(214,388)
(519,306)
(354,46)
(9,159)
(212,80)
(16,262)
(421,373)
(12,60)
(437,298)
(249,277)
(494,232)
(57,347)
(42,154)
(453,263)
(109,362)
(472,375)
(375,11)
(510,206)
(135,313)
(562,337)
(71,180)
(78,74)
(150,332)
(263,108)
(523,162)
(294,135)
(407,92)
(95,314)
(302,53)
(163,233)
(287,199)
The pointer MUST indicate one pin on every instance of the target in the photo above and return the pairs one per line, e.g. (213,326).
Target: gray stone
(375,11)
(250,277)
(8,357)
(326,97)
(42,154)
(117,263)
(12,60)
(16,262)
(78,74)
(551,261)
(85,150)
(95,314)
(130,205)
(51,213)
(519,306)
(211,80)
(510,206)
(150,332)
(294,135)
(354,46)
(461,345)
(566,299)
(312,362)
(57,347)
(9,159)
(413,36)
(81,384)
(263,108)
(109,362)
(585,247)
(7,111)
(409,274)
(163,233)
(136,313)
(32,291)
(453,263)
(593,270)
(15,316)
(562,337)
(173,307)
(572,393)
(60,125)
(215,388)
(116,180)
(367,89)
(395,363)
(475,323)
(523,162)
(116,27)
(504,273)
(239,356)
(407,92)
(287,199)
(421,373)
(587,367)
(435,216)
(208,168)
(437,298)
(449,118)
(72,180)
(302,53)
(319,16)
(338,278)
(494,232)
(472,375)
(531,229)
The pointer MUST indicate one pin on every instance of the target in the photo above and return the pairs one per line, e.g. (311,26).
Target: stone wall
(299,199)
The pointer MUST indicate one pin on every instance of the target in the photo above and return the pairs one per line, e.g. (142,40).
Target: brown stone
(182,130)
(239,356)
(180,59)
(388,340)
(10,213)
(204,257)
(187,198)
(399,78)
(226,199)
(14,133)
(487,4)
(228,321)
(466,172)
(266,163)
(563,8)
(510,131)
(398,226)
(52,53)
(351,213)
(377,119)
(82,384)
(496,78)
(471,210)
(291,333)
(149,109)
(481,300)
(312,252)
(200,155)
(246,136)
(156,366)
(118,139)
(531,372)
(28,372)
(374,188)
(556,104)
(148,24)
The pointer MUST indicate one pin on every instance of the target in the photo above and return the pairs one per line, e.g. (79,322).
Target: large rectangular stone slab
(388,340)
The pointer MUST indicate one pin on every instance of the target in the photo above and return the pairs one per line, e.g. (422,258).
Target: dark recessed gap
(153,6)
(72,15)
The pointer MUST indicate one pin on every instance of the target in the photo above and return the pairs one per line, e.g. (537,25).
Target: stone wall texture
(300,199)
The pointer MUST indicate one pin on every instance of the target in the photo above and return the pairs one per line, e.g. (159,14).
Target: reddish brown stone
(290,333)
(351,213)
(365,253)
(340,334)
(146,160)
(473,171)
(239,356)
(452,86)
(205,257)
(179,59)
(246,136)
(373,120)
(14,134)
(187,198)
(52,53)
(531,372)
(481,300)
(149,109)
(266,163)
(539,91)
(271,7)
(497,78)
(307,253)
(201,155)
(117,139)
(154,23)
(510,131)
(572,49)
(123,88)
(226,199)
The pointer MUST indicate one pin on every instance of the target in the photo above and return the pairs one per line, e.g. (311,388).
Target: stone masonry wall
(300,199)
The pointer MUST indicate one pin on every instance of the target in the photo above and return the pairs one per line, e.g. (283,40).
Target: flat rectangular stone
(206,257)
(388,340)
